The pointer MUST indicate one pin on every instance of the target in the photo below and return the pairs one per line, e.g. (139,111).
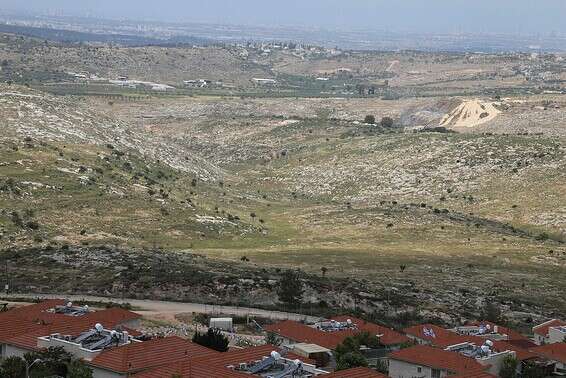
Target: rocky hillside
(36,60)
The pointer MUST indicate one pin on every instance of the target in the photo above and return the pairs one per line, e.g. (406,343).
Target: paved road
(165,307)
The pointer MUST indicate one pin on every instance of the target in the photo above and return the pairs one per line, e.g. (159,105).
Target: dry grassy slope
(300,198)
(165,65)
(404,68)
(337,161)
(82,193)
(363,204)
(80,169)
(65,119)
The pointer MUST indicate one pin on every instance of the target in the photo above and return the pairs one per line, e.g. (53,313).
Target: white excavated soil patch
(470,113)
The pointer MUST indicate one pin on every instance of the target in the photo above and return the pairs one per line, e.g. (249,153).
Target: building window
(419,369)
(435,373)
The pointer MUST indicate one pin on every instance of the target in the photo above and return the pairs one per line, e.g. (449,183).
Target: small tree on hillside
(508,368)
(491,312)
(213,339)
(387,122)
(290,289)
(350,360)
(370,119)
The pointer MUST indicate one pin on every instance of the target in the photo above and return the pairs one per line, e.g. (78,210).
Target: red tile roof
(215,366)
(302,333)
(11,327)
(390,337)
(525,344)
(30,312)
(521,353)
(555,352)
(22,325)
(247,355)
(27,340)
(542,329)
(512,334)
(442,337)
(356,373)
(425,355)
(140,356)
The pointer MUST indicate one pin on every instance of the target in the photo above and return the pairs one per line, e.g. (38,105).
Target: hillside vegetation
(452,194)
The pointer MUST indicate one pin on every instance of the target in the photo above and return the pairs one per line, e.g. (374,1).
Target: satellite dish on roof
(98,327)
(69,304)
(488,327)
(349,321)
(485,349)
(275,355)
(489,343)
(86,307)
(298,362)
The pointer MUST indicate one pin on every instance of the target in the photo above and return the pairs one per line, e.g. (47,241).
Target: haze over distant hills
(133,32)
(435,16)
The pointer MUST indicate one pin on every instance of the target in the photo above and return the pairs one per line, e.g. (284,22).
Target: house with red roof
(425,361)
(490,330)
(330,333)
(430,334)
(137,357)
(22,328)
(237,364)
(387,336)
(555,352)
(552,331)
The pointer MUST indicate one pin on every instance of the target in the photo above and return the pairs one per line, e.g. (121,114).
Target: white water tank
(224,324)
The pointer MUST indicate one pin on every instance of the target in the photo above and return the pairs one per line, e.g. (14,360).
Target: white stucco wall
(102,373)
(402,369)
(15,351)
(555,335)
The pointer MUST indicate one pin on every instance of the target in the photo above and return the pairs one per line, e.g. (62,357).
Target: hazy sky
(507,16)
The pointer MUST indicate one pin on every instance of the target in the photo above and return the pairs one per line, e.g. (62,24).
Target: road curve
(152,306)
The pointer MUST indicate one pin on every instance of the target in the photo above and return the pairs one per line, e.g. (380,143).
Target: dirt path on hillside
(166,310)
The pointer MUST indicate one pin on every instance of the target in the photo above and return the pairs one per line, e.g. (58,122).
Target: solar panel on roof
(265,364)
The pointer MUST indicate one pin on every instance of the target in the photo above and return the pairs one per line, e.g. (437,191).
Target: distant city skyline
(432,16)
